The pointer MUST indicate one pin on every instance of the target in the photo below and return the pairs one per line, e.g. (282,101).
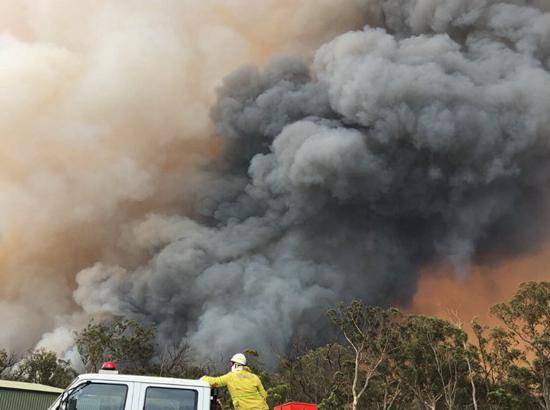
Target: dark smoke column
(422,138)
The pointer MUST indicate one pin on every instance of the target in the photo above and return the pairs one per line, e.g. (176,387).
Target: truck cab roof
(98,377)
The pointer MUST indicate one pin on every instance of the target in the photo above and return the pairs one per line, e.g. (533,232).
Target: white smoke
(423,137)
(104,117)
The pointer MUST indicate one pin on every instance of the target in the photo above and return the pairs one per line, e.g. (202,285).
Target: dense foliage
(383,359)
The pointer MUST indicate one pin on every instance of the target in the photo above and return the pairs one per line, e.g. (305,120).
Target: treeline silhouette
(381,359)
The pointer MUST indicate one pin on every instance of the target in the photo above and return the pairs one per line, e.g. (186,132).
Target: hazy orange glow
(443,293)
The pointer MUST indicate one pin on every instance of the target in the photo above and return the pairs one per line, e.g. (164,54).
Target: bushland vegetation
(381,358)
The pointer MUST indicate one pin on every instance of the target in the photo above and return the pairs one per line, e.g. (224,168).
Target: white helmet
(239,358)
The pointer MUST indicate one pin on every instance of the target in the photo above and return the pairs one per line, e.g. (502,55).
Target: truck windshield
(160,398)
(99,396)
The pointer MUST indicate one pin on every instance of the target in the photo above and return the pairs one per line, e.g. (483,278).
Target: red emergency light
(296,406)
(108,366)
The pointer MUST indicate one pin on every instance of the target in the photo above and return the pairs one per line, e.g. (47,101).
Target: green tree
(125,341)
(318,375)
(526,332)
(371,332)
(500,363)
(431,362)
(7,363)
(44,367)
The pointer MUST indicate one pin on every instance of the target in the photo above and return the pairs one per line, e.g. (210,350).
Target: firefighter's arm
(261,389)
(216,381)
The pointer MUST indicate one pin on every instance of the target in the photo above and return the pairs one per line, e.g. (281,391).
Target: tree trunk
(355,381)
(472,383)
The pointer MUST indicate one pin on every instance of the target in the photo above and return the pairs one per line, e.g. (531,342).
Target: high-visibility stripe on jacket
(245,388)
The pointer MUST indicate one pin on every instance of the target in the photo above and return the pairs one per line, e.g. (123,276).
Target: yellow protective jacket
(245,388)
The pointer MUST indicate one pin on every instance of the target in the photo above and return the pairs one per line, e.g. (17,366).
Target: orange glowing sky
(442,293)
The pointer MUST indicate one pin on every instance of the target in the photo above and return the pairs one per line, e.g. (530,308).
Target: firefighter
(245,388)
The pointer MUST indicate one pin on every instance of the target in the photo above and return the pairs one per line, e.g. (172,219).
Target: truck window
(161,398)
(99,396)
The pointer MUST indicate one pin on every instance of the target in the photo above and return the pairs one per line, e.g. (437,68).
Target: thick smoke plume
(423,138)
(104,119)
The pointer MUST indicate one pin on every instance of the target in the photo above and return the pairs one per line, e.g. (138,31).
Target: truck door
(170,397)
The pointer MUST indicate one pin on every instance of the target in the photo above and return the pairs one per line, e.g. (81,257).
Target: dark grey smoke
(423,138)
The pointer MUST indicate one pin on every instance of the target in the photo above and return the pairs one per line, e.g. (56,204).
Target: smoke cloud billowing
(104,119)
(422,138)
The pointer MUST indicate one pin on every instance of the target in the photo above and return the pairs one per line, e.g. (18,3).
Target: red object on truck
(296,406)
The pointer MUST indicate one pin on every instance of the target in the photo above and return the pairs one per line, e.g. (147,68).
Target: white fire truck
(109,390)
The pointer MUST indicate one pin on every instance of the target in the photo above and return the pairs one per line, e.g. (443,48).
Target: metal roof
(8,384)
